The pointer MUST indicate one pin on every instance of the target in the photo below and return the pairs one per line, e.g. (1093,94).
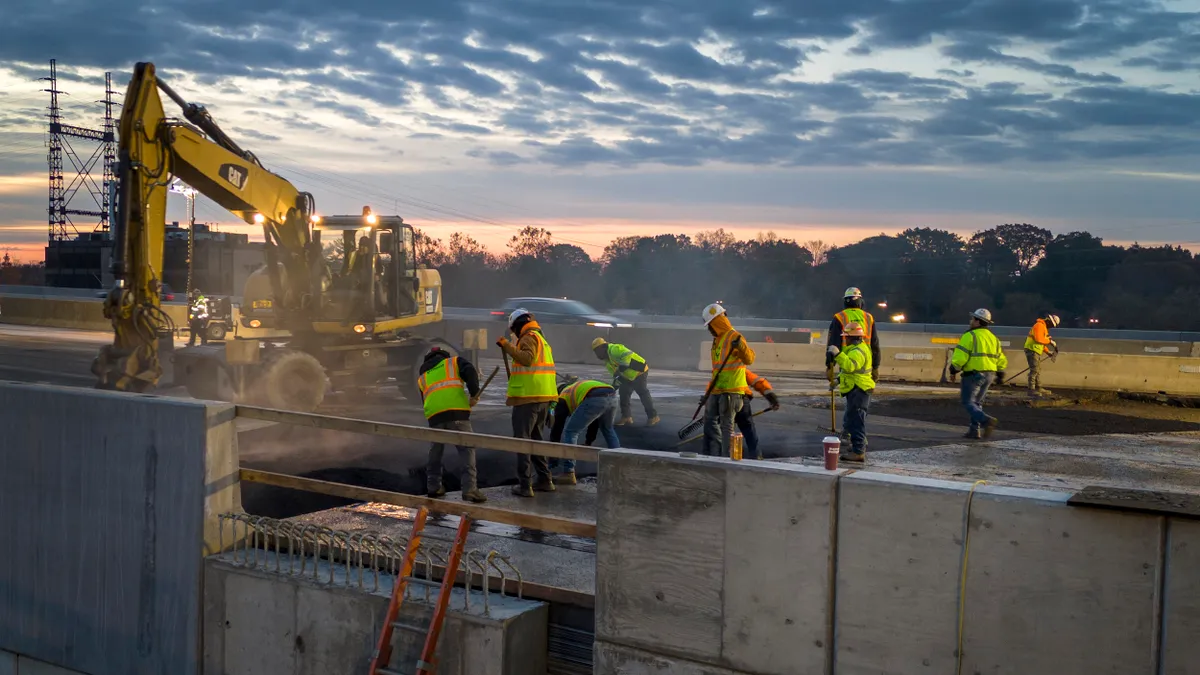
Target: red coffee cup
(833,448)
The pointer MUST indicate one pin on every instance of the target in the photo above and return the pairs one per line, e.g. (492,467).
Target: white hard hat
(1053,319)
(852,292)
(711,312)
(982,314)
(517,313)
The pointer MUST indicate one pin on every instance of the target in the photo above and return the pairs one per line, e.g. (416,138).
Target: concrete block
(660,553)
(1181,601)
(103,493)
(612,659)
(778,526)
(333,627)
(1054,589)
(260,626)
(898,560)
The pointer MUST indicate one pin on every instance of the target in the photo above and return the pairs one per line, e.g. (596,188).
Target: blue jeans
(855,419)
(974,391)
(599,409)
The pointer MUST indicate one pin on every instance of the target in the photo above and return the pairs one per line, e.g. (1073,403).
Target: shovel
(695,424)
(476,397)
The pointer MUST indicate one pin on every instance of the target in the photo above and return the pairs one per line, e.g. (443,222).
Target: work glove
(1053,344)
(772,399)
(474,400)
(833,350)
(953,371)
(502,343)
(1000,377)
(875,374)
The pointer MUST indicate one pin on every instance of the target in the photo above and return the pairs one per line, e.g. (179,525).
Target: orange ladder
(427,663)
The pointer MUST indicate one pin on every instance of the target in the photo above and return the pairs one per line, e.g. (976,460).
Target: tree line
(927,275)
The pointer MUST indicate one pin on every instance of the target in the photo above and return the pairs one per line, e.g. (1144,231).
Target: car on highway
(560,311)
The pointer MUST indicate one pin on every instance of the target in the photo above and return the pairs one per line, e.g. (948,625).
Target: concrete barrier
(701,561)
(258,622)
(68,312)
(1045,587)
(103,504)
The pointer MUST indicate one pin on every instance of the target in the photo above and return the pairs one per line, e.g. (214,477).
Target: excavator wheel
(293,380)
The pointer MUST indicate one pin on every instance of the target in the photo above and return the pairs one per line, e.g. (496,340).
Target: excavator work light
(316,220)
(360,328)
(260,218)
(255,323)
(372,219)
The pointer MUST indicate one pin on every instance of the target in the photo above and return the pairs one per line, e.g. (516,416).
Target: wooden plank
(1147,501)
(543,523)
(416,433)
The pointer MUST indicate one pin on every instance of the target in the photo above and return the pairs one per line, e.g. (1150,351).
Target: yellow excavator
(315,328)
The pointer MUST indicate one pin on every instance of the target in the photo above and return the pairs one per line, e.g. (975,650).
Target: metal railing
(539,520)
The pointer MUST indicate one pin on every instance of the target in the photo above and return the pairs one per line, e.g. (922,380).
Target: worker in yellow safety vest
(583,404)
(745,417)
(852,312)
(532,387)
(728,383)
(856,384)
(981,360)
(630,374)
(449,389)
(1038,342)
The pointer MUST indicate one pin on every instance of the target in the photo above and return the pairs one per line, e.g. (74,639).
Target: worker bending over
(1036,344)
(630,374)
(449,389)
(583,404)
(981,360)
(730,356)
(745,417)
(855,383)
(532,386)
(852,301)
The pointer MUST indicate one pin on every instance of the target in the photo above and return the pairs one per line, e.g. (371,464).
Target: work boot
(474,495)
(1044,392)
(653,420)
(434,493)
(990,427)
(623,421)
(568,478)
(855,456)
(972,434)
(522,490)
(545,484)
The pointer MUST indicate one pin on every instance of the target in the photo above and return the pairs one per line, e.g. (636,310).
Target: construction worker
(852,301)
(745,417)
(981,360)
(855,383)
(197,318)
(630,374)
(1036,344)
(582,405)
(532,387)
(730,356)
(449,389)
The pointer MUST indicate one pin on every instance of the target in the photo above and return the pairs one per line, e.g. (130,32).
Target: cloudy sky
(818,119)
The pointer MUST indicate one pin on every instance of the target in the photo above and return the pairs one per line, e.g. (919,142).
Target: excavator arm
(154,149)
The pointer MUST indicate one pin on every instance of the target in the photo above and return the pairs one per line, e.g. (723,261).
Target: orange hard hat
(854,329)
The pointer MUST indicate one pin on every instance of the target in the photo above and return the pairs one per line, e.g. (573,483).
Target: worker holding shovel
(855,384)
(730,356)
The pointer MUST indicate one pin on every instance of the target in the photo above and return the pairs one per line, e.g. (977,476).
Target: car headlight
(600,325)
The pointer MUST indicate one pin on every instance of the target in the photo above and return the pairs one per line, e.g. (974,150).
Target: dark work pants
(433,469)
(197,329)
(639,385)
(855,419)
(1035,369)
(528,420)
(745,424)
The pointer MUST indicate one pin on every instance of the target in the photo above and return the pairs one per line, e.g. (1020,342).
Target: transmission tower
(62,194)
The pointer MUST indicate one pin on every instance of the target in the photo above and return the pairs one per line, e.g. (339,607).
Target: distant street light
(898,318)
(883,305)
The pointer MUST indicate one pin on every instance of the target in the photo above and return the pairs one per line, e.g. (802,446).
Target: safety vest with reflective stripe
(620,356)
(757,382)
(855,315)
(979,351)
(575,393)
(732,378)
(1031,342)
(443,389)
(538,379)
(854,363)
